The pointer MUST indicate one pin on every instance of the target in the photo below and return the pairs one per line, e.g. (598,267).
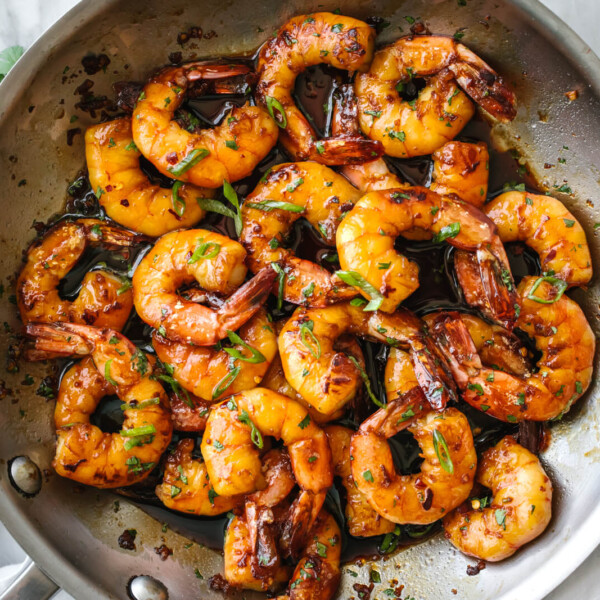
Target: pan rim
(580,543)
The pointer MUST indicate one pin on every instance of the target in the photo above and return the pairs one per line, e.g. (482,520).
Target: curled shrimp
(234,433)
(366,236)
(368,176)
(441,109)
(546,226)
(563,373)
(304,41)
(291,191)
(103,301)
(125,192)
(209,259)
(185,486)
(518,512)
(228,152)
(447,472)
(327,379)
(317,574)
(212,373)
(362,520)
(462,169)
(275,377)
(84,452)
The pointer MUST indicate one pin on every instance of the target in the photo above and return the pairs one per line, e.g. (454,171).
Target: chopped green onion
(367,382)
(449,231)
(306,330)
(273,103)
(357,280)
(281,280)
(225,383)
(194,157)
(204,250)
(560,285)
(107,372)
(141,405)
(443,453)
(269,205)
(255,435)
(138,431)
(210,205)
(255,356)
(178,201)
(230,194)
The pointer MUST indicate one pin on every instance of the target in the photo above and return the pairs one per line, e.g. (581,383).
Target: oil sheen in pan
(438,290)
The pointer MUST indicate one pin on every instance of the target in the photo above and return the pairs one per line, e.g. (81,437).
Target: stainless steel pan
(71,532)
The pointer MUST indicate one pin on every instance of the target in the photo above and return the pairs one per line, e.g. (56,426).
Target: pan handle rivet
(144,587)
(25,475)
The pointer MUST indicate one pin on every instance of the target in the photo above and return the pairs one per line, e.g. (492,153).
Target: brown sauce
(438,290)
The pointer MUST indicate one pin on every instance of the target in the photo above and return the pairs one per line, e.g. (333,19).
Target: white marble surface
(22,21)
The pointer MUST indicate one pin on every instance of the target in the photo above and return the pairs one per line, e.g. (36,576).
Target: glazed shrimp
(234,432)
(251,553)
(317,575)
(327,379)
(104,300)
(447,472)
(441,109)
(125,192)
(368,176)
(304,41)
(519,511)
(213,261)
(496,346)
(185,486)
(361,519)
(211,373)
(188,412)
(366,236)
(228,152)
(546,226)
(462,169)
(84,452)
(564,371)
(289,192)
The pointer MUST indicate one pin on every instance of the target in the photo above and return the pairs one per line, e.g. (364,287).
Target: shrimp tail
(348,150)
(456,344)
(433,374)
(241,306)
(484,85)
(50,340)
(101,232)
(302,516)
(206,70)
(488,285)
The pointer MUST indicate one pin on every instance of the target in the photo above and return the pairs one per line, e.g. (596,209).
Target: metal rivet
(25,475)
(144,587)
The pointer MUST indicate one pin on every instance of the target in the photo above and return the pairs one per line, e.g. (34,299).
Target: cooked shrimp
(104,299)
(291,191)
(188,412)
(234,433)
(185,486)
(213,261)
(519,511)
(212,373)
(327,379)
(366,236)
(239,566)
(228,152)
(441,109)
(546,226)
(125,192)
(448,468)
(368,176)
(317,575)
(305,41)
(564,371)
(84,452)
(275,377)
(361,519)
(462,169)
(497,347)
